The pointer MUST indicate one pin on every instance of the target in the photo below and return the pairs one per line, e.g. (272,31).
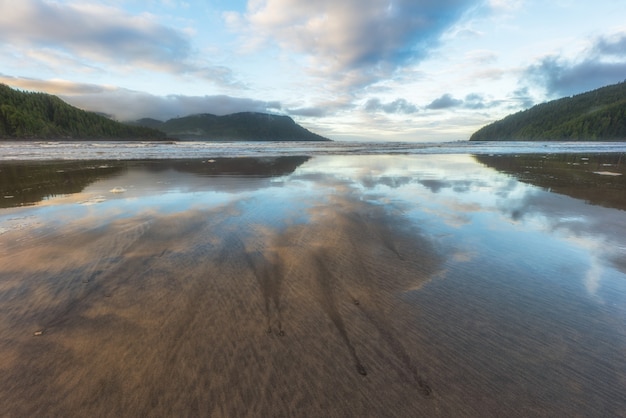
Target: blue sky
(407,70)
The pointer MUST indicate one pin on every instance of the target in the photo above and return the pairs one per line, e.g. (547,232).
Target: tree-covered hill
(25,115)
(246,126)
(598,115)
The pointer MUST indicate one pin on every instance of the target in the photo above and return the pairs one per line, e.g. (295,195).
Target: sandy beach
(183,316)
(331,302)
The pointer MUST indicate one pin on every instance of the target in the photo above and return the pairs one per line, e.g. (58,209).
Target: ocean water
(98,150)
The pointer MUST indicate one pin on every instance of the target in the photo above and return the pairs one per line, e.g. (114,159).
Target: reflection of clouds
(593,277)
(435,185)
(441,194)
(454,192)
(510,188)
(371,182)
(463,256)
(374,242)
(397,169)
(450,216)
(141,182)
(599,231)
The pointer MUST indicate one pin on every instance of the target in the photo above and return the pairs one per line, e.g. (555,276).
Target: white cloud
(354,42)
(92,35)
(505,5)
(92,31)
(444,102)
(124,104)
(398,106)
(602,63)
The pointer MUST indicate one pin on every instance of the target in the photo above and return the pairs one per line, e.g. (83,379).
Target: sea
(141,150)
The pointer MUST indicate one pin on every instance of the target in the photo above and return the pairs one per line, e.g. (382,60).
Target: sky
(372,70)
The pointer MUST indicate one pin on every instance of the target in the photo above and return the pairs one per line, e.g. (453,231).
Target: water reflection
(26,183)
(599,179)
(428,285)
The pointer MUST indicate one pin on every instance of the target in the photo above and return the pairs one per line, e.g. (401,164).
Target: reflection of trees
(26,183)
(573,175)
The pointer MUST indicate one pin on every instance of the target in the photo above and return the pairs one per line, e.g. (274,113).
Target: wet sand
(346,310)
(194,316)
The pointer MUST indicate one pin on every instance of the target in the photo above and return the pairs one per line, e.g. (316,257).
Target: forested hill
(249,126)
(43,116)
(598,115)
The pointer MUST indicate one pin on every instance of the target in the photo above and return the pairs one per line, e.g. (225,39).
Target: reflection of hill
(249,166)
(569,174)
(26,183)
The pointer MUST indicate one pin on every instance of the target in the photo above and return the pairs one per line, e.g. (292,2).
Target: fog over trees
(26,115)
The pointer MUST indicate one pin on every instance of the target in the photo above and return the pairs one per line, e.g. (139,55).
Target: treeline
(598,115)
(25,115)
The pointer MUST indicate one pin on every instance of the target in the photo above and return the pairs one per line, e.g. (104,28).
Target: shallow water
(339,285)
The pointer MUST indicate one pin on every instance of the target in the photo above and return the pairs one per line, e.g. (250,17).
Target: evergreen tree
(42,116)
(598,115)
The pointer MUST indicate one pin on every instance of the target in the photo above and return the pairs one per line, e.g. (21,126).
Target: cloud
(352,41)
(482,56)
(474,101)
(398,106)
(315,112)
(123,104)
(94,33)
(523,97)
(562,78)
(603,63)
(612,45)
(505,5)
(91,30)
(53,86)
(471,101)
(321,108)
(444,102)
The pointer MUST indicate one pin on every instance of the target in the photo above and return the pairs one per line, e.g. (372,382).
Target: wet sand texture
(210,314)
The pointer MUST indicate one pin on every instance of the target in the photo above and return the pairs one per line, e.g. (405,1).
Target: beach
(299,286)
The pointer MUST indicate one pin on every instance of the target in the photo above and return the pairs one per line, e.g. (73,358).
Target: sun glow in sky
(407,70)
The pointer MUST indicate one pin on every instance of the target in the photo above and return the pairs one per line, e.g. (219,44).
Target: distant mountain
(245,126)
(43,116)
(598,115)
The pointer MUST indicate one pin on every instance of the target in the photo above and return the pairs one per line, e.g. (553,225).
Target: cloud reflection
(446,195)
(412,271)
